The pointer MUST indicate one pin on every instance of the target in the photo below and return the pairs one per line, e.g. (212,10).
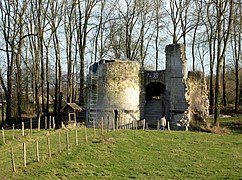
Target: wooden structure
(70,109)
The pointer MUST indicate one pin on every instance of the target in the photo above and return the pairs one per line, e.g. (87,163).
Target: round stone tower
(118,91)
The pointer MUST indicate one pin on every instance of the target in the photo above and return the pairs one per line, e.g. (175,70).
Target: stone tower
(176,74)
(118,91)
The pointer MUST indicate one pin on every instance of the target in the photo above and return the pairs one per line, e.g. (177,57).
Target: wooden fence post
(144,124)
(102,127)
(113,125)
(158,124)
(94,129)
(85,131)
(22,128)
(53,122)
(13,133)
(49,122)
(49,150)
(24,154)
(37,150)
(45,123)
(39,123)
(108,124)
(59,142)
(76,138)
(13,162)
(124,123)
(67,141)
(4,142)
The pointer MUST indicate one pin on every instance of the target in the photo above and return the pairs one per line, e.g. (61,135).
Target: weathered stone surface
(197,97)
(119,89)
(126,92)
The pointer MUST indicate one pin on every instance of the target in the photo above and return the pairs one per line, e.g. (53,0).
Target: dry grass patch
(210,128)
(217,129)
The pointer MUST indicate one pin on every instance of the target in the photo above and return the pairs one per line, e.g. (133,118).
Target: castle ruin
(122,90)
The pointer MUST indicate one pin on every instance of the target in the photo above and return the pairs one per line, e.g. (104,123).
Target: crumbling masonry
(122,90)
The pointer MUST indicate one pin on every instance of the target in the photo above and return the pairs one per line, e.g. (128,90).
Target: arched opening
(154,106)
(153,90)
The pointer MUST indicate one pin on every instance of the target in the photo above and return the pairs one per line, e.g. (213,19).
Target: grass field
(149,154)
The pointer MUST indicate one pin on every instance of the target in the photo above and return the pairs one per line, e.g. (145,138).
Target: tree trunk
(224,83)
(193,46)
(18,66)
(47,84)
(2,108)
(58,81)
(217,92)
(237,55)
(26,83)
(221,52)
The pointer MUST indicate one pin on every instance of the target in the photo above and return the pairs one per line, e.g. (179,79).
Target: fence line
(27,128)
(37,148)
(40,149)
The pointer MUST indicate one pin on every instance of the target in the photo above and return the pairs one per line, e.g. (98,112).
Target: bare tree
(146,33)
(7,32)
(99,32)
(209,22)
(84,14)
(197,14)
(186,25)
(174,14)
(69,26)
(20,15)
(222,41)
(54,17)
(180,18)
(158,17)
(236,48)
(12,14)
(129,14)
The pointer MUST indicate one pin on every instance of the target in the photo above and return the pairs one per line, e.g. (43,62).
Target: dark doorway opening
(154,106)
(154,90)
(115,114)
(115,118)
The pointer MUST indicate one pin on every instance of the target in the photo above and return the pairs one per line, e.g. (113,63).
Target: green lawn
(232,124)
(127,154)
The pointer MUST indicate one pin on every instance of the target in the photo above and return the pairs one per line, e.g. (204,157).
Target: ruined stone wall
(197,97)
(119,89)
(175,82)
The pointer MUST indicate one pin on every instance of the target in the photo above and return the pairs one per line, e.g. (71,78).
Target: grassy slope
(145,155)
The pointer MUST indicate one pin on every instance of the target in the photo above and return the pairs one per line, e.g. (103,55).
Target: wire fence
(28,150)
(21,147)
